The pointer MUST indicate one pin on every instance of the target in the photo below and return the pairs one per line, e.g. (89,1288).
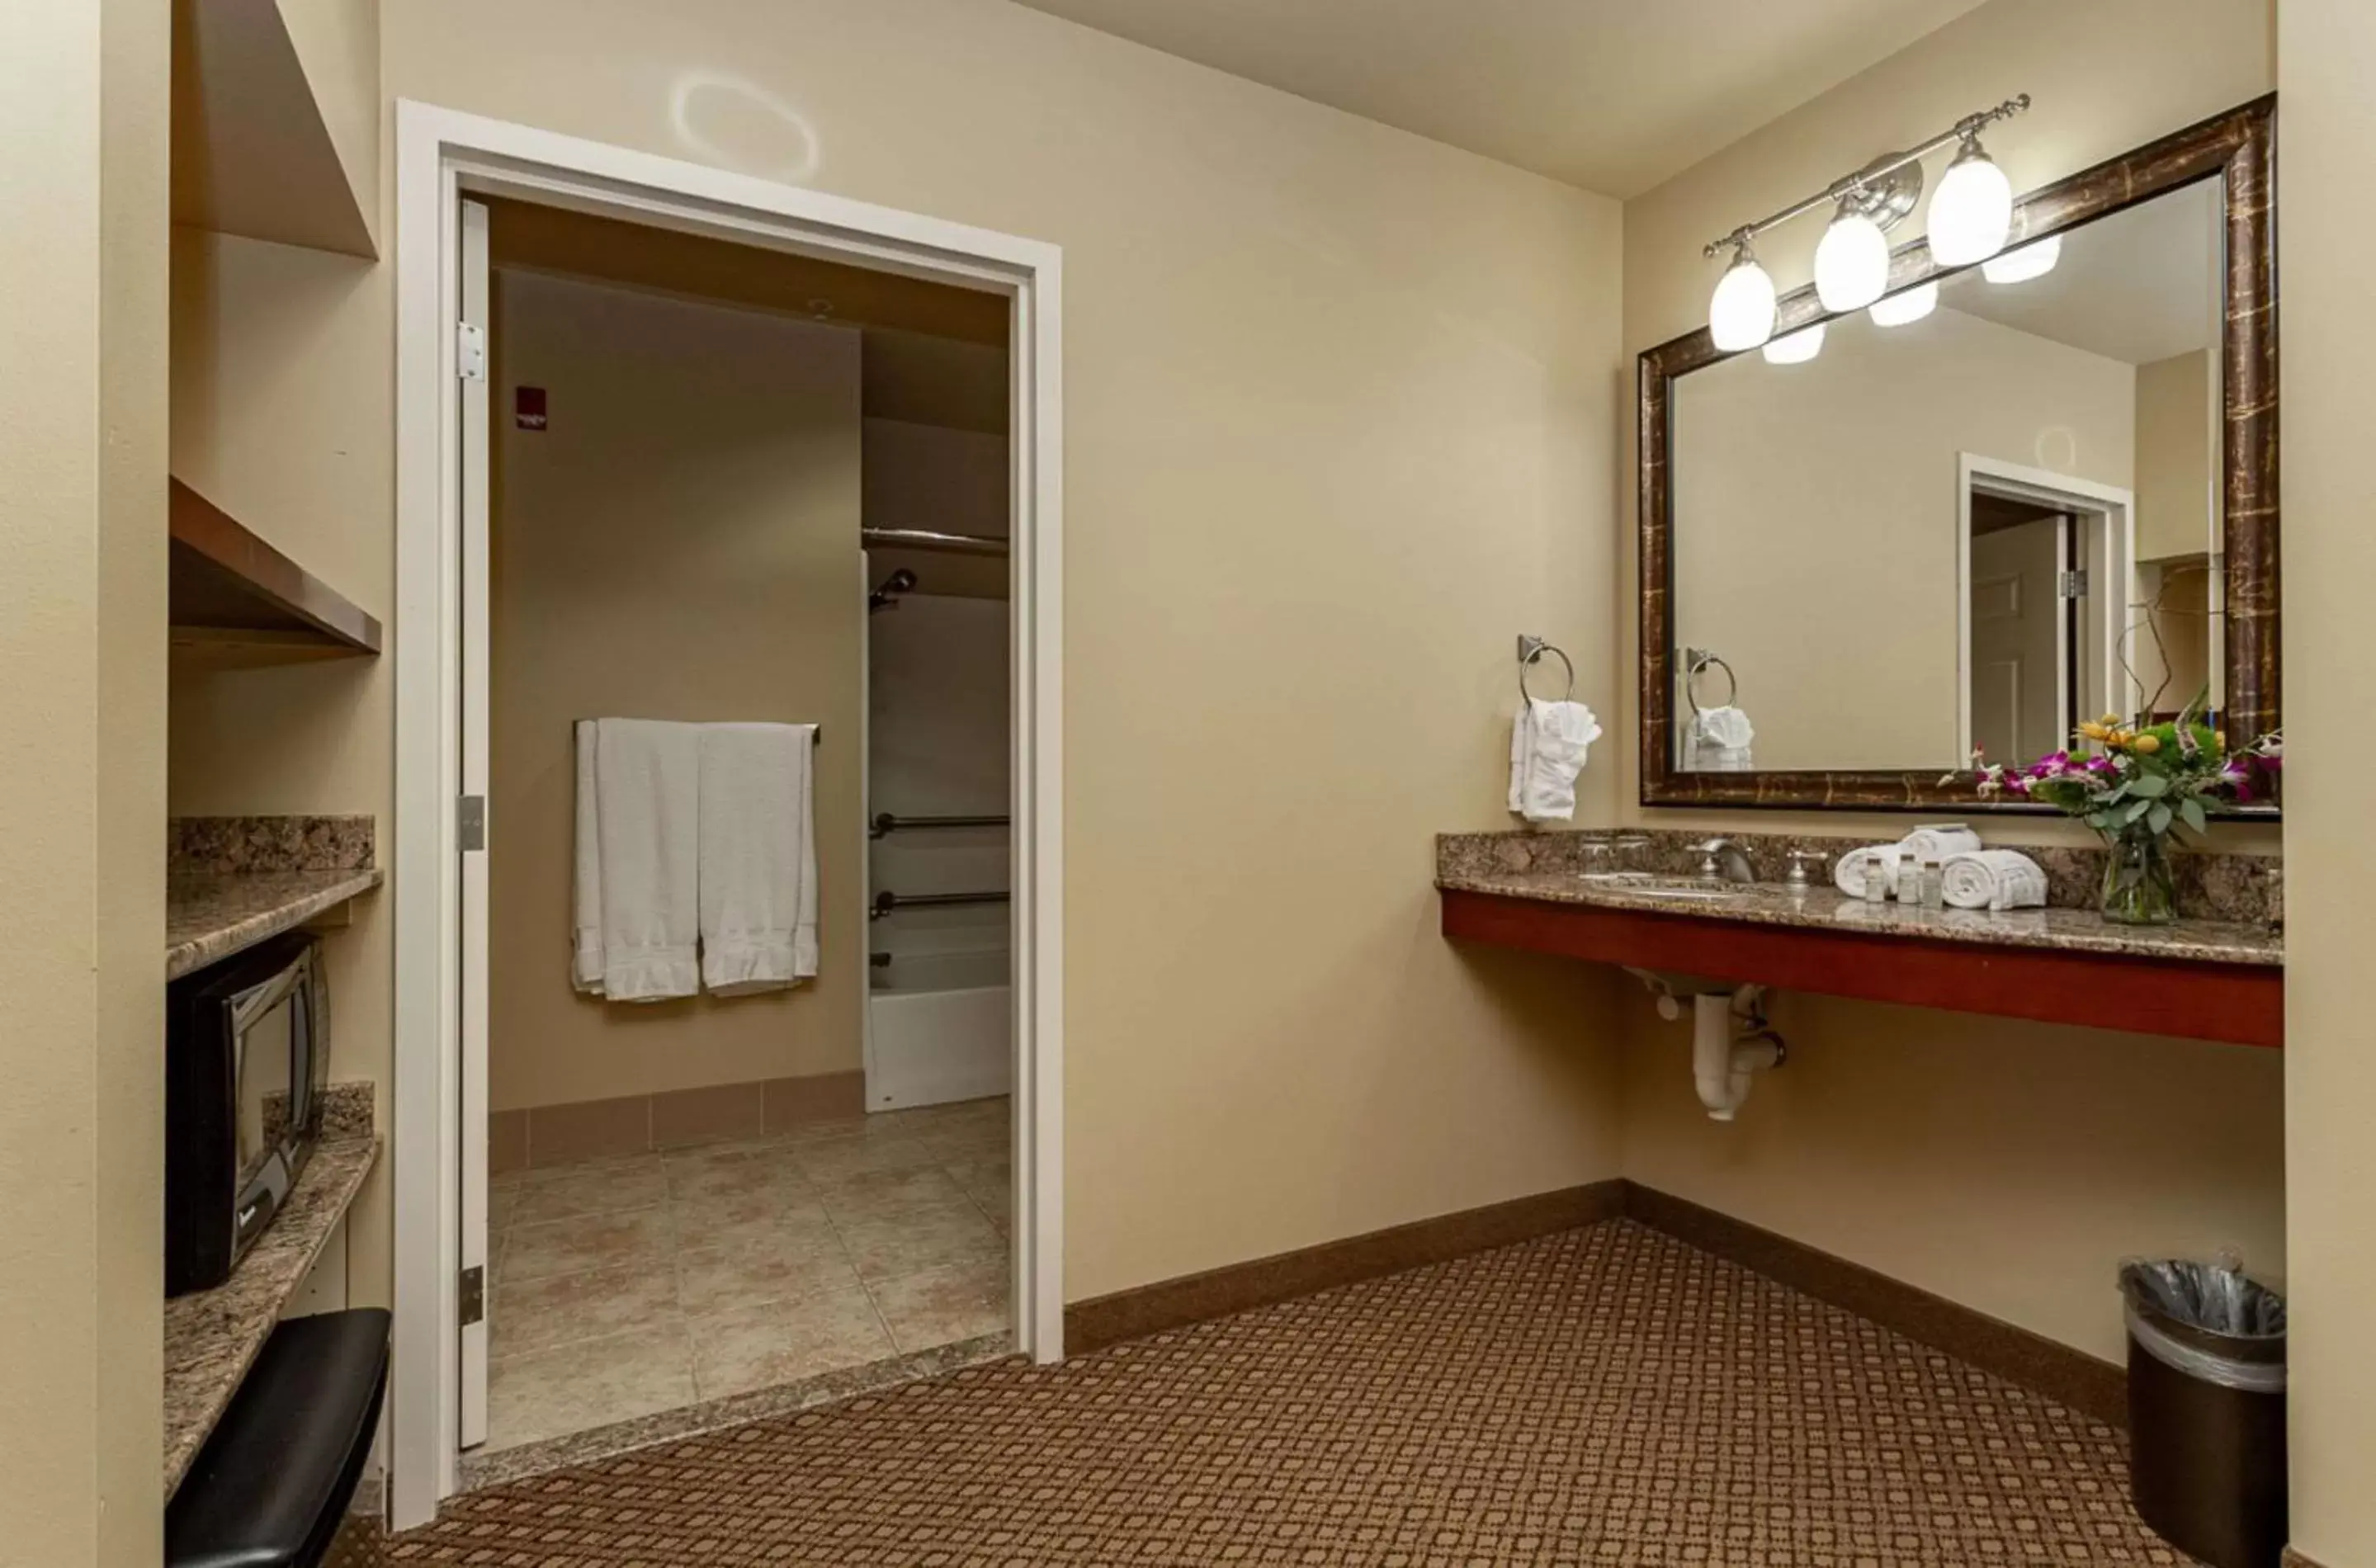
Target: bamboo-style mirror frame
(2239,145)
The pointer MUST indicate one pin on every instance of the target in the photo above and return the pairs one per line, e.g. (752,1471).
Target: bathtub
(940,1026)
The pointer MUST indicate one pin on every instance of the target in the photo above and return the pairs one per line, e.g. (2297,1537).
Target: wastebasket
(2207,1409)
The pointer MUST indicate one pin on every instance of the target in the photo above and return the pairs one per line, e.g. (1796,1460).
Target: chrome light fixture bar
(1968,217)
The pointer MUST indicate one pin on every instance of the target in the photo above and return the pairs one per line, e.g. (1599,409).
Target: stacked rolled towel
(1995,879)
(1940,841)
(1850,871)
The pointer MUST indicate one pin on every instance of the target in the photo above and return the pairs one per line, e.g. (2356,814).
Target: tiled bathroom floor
(622,1288)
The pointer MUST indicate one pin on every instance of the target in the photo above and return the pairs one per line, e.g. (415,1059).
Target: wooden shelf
(235,601)
(2241,1004)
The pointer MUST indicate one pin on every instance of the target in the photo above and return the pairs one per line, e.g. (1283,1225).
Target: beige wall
(83,137)
(1339,401)
(1829,490)
(2106,75)
(2175,416)
(679,542)
(2326,49)
(337,47)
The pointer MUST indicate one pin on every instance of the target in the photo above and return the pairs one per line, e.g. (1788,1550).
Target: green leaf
(2158,818)
(2190,808)
(2136,809)
(2099,820)
(2148,785)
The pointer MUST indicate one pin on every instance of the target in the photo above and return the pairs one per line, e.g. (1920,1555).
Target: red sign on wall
(528,407)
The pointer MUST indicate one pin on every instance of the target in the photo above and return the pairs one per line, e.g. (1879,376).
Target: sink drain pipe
(1730,1044)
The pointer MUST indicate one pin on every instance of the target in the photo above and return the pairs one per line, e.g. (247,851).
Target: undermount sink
(1658,886)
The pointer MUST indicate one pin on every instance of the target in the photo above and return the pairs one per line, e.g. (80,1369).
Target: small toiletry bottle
(1876,877)
(1934,883)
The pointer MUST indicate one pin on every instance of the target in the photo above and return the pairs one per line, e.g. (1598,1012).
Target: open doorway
(720,480)
(637,490)
(2047,570)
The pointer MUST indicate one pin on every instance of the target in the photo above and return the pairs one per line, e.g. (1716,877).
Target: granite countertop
(212,1337)
(210,915)
(1825,908)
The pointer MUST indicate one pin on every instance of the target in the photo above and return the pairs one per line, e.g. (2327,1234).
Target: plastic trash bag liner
(2207,1320)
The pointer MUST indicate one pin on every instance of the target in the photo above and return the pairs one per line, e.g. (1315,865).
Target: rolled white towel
(1850,871)
(1995,879)
(1940,841)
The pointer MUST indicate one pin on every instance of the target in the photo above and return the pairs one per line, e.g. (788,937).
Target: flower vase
(2139,887)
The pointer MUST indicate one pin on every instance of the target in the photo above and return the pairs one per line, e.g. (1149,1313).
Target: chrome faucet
(1725,862)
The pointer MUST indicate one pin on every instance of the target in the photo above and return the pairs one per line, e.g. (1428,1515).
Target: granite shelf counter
(212,1337)
(2203,979)
(211,915)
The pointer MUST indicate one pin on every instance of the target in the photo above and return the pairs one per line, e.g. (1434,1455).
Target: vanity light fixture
(1970,219)
(1905,306)
(1742,314)
(2033,260)
(1796,348)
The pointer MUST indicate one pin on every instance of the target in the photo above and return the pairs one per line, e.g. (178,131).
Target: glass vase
(2139,888)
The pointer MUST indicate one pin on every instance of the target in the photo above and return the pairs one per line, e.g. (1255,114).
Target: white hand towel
(1940,841)
(1548,742)
(758,857)
(586,891)
(1850,871)
(647,793)
(1995,879)
(1716,741)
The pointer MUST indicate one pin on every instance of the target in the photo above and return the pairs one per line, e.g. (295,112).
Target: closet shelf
(234,600)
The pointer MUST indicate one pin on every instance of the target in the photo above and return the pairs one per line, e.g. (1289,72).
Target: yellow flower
(2093,732)
(2109,722)
(2148,744)
(2219,739)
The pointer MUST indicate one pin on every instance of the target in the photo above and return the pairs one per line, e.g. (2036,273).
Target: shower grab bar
(933,538)
(891,903)
(885,822)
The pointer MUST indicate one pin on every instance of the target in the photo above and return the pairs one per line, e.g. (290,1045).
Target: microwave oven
(246,1058)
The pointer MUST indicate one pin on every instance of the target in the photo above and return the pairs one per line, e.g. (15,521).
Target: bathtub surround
(535,1137)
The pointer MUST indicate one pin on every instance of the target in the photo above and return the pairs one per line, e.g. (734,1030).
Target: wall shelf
(234,600)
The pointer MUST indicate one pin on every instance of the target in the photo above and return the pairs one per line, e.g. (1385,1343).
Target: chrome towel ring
(1532,648)
(1696,661)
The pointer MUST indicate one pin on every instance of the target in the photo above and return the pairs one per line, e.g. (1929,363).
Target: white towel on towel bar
(1548,742)
(646,792)
(586,887)
(758,857)
(1995,879)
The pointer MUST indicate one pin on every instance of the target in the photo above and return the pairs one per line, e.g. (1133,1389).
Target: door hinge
(470,352)
(474,1295)
(2071,585)
(470,822)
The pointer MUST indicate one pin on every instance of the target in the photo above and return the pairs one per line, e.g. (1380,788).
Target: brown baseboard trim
(2071,1377)
(2296,1560)
(1174,1303)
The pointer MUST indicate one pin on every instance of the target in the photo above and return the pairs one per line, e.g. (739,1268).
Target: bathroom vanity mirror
(2004,499)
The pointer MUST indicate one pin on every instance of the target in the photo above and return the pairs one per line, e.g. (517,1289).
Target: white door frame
(440,154)
(2108,515)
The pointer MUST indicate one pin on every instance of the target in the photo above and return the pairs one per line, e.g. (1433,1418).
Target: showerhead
(886,594)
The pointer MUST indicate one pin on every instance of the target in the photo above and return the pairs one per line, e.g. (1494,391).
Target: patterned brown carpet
(1607,1396)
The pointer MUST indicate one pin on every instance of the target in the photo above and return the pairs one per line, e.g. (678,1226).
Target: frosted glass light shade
(1853,264)
(1797,347)
(1910,304)
(1742,313)
(2033,260)
(1972,213)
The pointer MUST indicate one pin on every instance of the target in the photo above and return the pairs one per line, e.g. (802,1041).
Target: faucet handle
(1799,861)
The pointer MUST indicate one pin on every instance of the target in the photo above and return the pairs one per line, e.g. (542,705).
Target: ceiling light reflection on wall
(1905,306)
(1796,348)
(2034,260)
(1972,213)
(1742,314)
(1853,264)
